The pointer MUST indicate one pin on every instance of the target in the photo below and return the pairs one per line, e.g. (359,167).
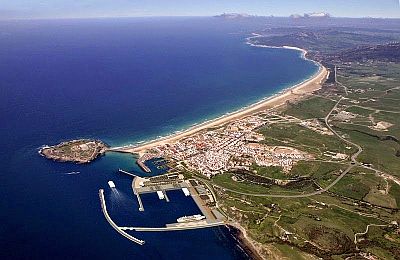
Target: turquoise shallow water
(122,81)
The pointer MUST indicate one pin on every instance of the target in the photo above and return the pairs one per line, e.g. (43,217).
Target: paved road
(359,148)
(294,195)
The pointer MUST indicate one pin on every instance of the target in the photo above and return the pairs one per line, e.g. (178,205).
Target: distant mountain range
(295,16)
(311,15)
(234,15)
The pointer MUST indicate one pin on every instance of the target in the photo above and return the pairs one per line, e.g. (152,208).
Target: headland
(78,151)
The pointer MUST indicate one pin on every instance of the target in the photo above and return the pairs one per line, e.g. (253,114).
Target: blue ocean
(122,81)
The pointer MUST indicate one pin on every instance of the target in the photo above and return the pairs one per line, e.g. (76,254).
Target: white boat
(196,217)
(160,195)
(186,192)
(111,184)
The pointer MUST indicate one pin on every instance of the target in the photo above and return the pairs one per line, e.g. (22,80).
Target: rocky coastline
(78,151)
(249,246)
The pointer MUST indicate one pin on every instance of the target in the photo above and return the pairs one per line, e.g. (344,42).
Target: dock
(165,195)
(128,173)
(200,204)
(141,208)
(142,185)
(141,162)
(160,186)
(138,186)
(120,230)
(177,226)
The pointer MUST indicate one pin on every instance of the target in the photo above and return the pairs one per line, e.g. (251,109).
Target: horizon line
(183,16)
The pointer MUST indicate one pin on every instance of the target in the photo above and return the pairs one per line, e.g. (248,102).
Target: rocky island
(79,151)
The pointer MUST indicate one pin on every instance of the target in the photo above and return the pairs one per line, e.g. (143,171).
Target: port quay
(160,184)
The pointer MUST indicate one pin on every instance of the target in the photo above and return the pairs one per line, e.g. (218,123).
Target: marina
(209,217)
(200,194)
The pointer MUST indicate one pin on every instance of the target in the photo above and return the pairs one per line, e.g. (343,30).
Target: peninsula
(79,151)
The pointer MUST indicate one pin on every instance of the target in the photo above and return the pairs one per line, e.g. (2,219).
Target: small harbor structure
(141,162)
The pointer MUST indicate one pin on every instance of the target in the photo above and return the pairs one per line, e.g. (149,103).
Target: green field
(359,110)
(313,107)
(335,223)
(382,154)
(303,139)
(325,225)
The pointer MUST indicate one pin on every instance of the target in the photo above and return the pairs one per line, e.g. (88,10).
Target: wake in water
(70,173)
(118,199)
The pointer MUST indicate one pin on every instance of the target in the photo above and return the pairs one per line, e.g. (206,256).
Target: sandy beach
(254,249)
(290,94)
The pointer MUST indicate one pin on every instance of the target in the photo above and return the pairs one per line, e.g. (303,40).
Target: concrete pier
(144,185)
(200,204)
(128,173)
(177,226)
(165,195)
(137,188)
(141,208)
(141,162)
(112,223)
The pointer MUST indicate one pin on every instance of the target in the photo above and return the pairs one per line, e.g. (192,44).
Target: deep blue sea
(121,81)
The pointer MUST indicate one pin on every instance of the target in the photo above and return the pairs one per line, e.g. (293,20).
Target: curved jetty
(112,223)
(79,151)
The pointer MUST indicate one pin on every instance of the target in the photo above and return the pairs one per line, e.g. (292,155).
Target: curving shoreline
(291,93)
(254,249)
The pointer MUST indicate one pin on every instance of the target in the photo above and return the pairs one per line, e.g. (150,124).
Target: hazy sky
(110,8)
